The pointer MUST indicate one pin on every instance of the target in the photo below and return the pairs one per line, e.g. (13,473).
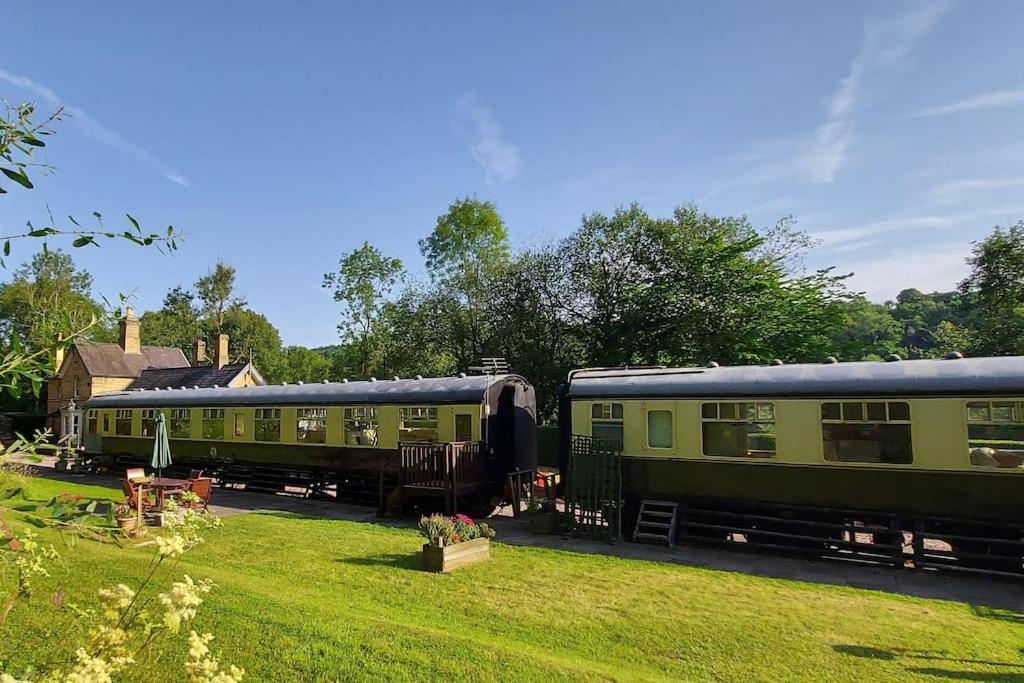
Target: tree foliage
(996,287)
(216,294)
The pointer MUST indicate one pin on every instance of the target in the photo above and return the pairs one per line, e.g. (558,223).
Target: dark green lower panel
(962,495)
(327,458)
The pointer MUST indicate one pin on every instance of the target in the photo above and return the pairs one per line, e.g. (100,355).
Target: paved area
(979,591)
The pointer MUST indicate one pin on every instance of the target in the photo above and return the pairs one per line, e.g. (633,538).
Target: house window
(123,423)
(239,424)
(268,424)
(92,422)
(76,387)
(606,422)
(361,426)
(995,434)
(659,429)
(181,423)
(738,429)
(463,427)
(867,431)
(417,423)
(311,425)
(149,423)
(213,423)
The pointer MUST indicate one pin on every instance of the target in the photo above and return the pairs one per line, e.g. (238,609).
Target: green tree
(253,337)
(362,284)
(300,364)
(996,287)
(465,254)
(216,293)
(176,323)
(869,331)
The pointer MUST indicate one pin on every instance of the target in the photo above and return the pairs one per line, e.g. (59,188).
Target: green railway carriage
(337,436)
(913,441)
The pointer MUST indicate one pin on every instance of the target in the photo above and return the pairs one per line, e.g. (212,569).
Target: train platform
(978,591)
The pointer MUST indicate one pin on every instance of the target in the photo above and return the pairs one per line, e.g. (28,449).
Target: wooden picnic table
(163,486)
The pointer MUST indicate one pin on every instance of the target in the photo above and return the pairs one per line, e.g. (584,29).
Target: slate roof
(110,360)
(961,376)
(470,389)
(203,376)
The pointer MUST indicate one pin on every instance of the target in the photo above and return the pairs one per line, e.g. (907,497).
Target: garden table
(163,486)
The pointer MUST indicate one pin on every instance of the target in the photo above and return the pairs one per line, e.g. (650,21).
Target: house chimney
(220,358)
(58,354)
(199,352)
(130,332)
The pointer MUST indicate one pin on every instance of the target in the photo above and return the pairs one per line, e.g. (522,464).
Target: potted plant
(543,517)
(126,517)
(453,542)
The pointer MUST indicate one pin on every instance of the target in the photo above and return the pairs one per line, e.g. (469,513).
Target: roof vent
(300,382)
(396,378)
(713,364)
(953,355)
(461,375)
(344,380)
(373,379)
(183,387)
(776,361)
(170,388)
(830,360)
(284,384)
(156,388)
(325,381)
(216,386)
(892,358)
(419,377)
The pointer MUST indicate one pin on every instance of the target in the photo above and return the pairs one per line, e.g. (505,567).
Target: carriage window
(92,422)
(106,423)
(745,430)
(239,424)
(213,423)
(268,424)
(606,422)
(417,424)
(311,425)
(659,429)
(995,434)
(181,423)
(149,423)
(463,427)
(123,423)
(867,431)
(361,426)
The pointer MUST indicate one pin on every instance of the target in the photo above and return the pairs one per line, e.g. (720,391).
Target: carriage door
(463,427)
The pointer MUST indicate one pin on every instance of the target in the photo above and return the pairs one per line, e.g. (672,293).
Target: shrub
(441,530)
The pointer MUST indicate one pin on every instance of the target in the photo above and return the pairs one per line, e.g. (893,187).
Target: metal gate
(593,495)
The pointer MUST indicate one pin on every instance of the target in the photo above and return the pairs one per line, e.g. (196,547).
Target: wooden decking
(448,471)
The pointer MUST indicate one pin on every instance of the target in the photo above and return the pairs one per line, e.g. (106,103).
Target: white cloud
(999,98)
(850,239)
(935,268)
(93,129)
(886,43)
(475,123)
(958,190)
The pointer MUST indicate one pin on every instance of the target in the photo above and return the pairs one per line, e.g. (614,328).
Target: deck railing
(448,469)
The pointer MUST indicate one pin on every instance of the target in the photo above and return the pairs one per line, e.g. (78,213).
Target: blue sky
(279,136)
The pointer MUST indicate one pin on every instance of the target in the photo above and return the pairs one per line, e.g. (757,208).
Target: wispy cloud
(989,100)
(886,43)
(959,190)
(934,268)
(475,123)
(850,239)
(93,129)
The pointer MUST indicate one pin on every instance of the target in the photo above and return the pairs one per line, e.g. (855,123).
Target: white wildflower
(89,669)
(202,668)
(115,599)
(181,603)
(171,545)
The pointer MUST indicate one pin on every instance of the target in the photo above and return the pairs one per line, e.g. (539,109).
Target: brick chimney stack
(220,358)
(129,339)
(199,353)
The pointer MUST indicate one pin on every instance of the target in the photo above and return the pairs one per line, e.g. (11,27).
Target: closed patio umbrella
(161,446)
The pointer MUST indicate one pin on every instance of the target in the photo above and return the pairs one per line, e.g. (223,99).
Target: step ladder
(657,522)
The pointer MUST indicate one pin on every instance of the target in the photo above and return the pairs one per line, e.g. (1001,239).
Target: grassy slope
(311,599)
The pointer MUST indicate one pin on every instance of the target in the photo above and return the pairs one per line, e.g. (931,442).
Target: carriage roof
(468,389)
(952,376)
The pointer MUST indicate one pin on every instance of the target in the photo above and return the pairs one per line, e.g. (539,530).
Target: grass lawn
(311,599)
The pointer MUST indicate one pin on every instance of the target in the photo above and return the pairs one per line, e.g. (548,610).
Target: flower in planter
(441,530)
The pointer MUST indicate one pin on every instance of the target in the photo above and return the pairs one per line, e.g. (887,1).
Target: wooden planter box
(452,556)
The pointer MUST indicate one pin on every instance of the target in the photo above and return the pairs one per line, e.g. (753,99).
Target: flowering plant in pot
(126,516)
(543,516)
(453,541)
